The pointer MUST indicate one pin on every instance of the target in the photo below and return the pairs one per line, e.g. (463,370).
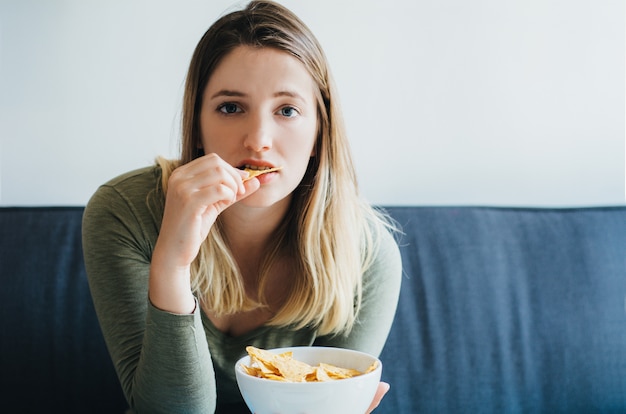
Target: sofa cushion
(509,310)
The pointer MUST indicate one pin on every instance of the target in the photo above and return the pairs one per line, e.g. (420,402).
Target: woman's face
(259,110)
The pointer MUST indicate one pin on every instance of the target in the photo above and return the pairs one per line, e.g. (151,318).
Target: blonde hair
(330,231)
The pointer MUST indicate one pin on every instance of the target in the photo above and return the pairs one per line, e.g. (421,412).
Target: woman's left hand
(383,387)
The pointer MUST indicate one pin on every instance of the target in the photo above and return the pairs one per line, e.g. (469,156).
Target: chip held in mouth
(256,172)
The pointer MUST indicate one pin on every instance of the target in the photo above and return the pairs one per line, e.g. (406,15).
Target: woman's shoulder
(383,248)
(384,229)
(388,238)
(135,193)
(141,180)
(132,185)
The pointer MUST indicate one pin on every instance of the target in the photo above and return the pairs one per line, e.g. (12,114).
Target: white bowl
(344,396)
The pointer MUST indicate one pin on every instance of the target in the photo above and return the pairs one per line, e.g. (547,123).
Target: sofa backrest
(501,311)
(509,311)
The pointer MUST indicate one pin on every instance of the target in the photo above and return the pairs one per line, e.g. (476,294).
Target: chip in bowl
(283,367)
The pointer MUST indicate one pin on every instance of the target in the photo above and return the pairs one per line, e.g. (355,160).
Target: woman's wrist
(170,288)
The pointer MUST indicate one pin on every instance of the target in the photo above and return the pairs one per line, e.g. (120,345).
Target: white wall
(496,102)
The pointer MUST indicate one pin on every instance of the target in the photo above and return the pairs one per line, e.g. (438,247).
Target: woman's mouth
(250,167)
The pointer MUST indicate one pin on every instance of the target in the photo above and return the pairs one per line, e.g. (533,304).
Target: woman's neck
(249,230)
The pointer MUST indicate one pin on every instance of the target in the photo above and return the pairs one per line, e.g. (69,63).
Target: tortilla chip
(255,173)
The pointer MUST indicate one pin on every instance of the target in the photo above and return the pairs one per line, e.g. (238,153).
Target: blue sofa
(502,310)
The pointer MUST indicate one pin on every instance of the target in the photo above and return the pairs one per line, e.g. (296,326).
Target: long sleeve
(162,359)
(381,289)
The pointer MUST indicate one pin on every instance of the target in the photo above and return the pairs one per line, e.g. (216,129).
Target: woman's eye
(229,108)
(288,111)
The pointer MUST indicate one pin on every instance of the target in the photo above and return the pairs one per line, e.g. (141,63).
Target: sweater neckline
(226,338)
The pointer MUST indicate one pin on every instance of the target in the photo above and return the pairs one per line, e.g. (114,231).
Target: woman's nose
(258,135)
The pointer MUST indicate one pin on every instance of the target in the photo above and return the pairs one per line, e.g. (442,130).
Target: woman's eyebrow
(290,94)
(229,93)
(238,94)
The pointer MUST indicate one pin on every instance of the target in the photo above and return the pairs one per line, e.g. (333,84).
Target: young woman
(189,261)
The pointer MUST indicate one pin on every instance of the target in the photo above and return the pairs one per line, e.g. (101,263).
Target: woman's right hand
(197,193)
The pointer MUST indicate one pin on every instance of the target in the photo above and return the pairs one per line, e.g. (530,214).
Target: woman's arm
(162,359)
(138,265)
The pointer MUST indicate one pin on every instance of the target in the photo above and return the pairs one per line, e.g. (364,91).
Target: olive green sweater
(169,363)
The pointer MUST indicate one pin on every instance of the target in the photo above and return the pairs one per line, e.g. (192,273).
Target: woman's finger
(383,387)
